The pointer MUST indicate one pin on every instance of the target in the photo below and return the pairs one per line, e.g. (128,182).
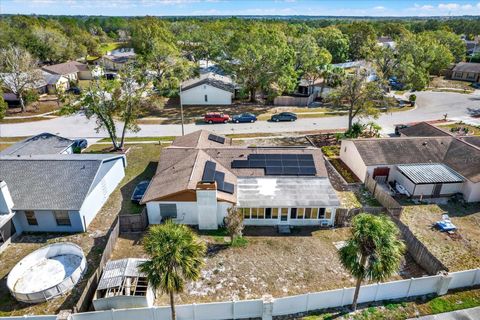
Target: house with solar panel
(201,175)
(426,162)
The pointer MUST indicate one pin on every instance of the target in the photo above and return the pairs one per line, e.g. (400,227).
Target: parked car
(476,85)
(399,127)
(80,144)
(139,191)
(74,90)
(215,117)
(284,116)
(244,117)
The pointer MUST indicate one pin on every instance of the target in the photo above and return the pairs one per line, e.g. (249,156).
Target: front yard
(140,160)
(305,261)
(458,252)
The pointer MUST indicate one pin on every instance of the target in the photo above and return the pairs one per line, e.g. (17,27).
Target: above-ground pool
(47,272)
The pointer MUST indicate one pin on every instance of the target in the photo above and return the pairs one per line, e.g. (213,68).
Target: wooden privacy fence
(380,193)
(343,216)
(84,301)
(133,222)
(295,101)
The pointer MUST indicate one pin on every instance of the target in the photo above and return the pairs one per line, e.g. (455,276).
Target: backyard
(460,251)
(141,164)
(268,263)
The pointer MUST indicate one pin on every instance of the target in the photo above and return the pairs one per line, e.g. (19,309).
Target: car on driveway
(284,116)
(244,117)
(139,191)
(215,117)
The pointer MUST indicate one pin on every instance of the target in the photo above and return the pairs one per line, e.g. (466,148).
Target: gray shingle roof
(467,67)
(212,79)
(44,143)
(423,129)
(51,182)
(66,68)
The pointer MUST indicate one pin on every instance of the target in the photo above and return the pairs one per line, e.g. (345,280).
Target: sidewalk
(465,314)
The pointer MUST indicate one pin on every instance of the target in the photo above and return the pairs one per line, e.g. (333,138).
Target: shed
(123,285)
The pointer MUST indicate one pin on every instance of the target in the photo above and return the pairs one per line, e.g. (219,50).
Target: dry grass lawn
(139,159)
(305,261)
(460,252)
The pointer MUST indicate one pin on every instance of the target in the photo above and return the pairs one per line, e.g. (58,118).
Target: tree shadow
(474,112)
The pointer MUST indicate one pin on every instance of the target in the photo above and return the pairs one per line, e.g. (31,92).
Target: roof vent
(424,143)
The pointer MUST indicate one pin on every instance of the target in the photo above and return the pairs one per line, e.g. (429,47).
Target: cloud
(448,6)
(379,8)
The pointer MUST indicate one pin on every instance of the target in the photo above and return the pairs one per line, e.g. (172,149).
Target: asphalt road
(430,106)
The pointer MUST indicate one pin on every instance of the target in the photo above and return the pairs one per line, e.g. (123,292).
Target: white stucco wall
(187,212)
(47,223)
(471,191)
(196,96)
(85,75)
(349,154)
(292,222)
(99,195)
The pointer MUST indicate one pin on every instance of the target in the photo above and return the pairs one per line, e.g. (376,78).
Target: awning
(427,173)
(258,192)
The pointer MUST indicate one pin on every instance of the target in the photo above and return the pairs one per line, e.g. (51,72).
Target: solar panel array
(279,164)
(211,175)
(216,138)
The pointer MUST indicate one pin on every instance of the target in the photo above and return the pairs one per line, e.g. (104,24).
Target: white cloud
(379,8)
(448,6)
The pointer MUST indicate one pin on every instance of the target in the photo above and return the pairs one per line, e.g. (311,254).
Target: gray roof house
(45,190)
(468,71)
(208,89)
(202,175)
(44,143)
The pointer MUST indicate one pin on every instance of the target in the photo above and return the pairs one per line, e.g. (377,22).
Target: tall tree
(176,256)
(337,43)
(260,58)
(362,38)
(18,72)
(110,100)
(373,251)
(359,95)
(385,61)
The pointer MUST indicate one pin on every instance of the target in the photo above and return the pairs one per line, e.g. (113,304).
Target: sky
(241,7)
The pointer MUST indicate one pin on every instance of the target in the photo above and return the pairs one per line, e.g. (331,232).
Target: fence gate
(133,222)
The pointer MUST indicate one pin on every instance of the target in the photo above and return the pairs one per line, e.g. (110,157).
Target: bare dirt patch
(459,252)
(305,261)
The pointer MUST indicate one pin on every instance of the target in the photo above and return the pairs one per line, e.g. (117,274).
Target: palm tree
(176,257)
(374,250)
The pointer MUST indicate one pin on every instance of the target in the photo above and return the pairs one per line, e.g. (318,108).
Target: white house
(208,89)
(72,70)
(55,191)
(432,166)
(202,175)
(116,59)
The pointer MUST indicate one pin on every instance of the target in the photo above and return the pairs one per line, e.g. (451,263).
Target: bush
(331,151)
(30,96)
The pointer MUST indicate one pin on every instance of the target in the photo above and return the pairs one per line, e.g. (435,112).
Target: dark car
(139,191)
(215,117)
(79,144)
(284,116)
(476,85)
(74,90)
(399,127)
(244,117)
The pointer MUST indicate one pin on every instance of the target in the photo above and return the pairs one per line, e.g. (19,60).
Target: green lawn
(105,47)
(137,139)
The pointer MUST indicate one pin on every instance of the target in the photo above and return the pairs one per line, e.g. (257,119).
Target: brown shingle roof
(475,140)
(181,166)
(423,129)
(66,67)
(467,67)
(458,155)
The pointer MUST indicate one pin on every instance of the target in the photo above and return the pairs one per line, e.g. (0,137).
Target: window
(268,213)
(261,213)
(254,213)
(206,98)
(293,213)
(246,213)
(62,218)
(300,212)
(458,74)
(328,214)
(284,216)
(308,213)
(31,219)
(315,213)
(168,210)
(470,76)
(321,213)
(274,213)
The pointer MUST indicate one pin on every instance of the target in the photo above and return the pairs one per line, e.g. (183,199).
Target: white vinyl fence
(438,284)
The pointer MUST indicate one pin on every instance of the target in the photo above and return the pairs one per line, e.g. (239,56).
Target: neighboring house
(426,166)
(116,59)
(208,89)
(56,83)
(201,175)
(7,81)
(423,129)
(44,188)
(72,70)
(44,143)
(467,71)
(386,42)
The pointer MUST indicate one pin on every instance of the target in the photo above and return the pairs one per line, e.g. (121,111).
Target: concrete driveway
(430,106)
(466,314)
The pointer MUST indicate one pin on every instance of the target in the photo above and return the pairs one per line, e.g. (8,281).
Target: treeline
(264,55)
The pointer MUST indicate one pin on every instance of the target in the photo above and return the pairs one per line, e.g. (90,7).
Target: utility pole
(181,109)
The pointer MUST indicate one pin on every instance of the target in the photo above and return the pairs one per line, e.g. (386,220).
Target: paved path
(465,314)
(430,106)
